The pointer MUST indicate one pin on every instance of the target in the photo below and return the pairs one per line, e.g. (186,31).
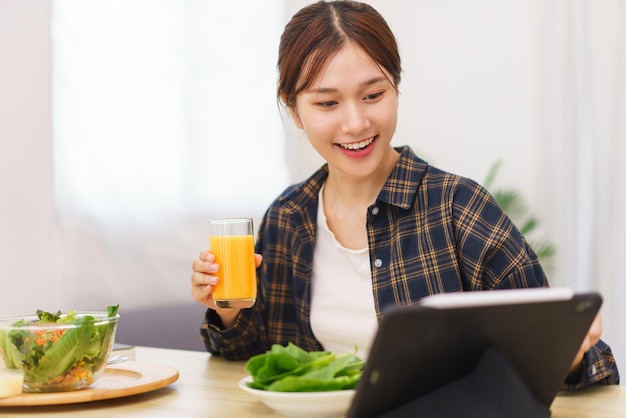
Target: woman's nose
(355,119)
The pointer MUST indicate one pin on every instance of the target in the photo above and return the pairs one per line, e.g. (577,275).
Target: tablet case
(486,354)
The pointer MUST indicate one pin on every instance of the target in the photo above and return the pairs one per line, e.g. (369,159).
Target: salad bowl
(58,352)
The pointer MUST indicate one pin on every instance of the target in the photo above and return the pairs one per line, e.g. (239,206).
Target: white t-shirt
(342,303)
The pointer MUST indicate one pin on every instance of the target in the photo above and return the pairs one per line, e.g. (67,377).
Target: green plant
(513,203)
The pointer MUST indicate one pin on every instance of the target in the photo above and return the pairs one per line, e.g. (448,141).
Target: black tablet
(423,348)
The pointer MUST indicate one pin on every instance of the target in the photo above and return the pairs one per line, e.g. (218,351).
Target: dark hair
(321,29)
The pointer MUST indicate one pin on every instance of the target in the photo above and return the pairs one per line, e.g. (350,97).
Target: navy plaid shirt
(429,232)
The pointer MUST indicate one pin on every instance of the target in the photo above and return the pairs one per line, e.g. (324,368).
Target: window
(165,108)
(164,116)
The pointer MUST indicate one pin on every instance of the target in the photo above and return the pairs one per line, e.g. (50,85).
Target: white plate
(303,404)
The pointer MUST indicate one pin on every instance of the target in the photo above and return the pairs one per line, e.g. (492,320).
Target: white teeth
(358,145)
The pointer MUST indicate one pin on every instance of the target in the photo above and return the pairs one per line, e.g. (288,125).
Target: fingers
(203,278)
(205,263)
(593,335)
(595,331)
(591,339)
(258,258)
(203,283)
(201,291)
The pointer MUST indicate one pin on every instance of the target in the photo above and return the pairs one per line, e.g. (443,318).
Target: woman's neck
(348,191)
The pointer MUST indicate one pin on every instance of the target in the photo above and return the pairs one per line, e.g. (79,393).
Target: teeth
(358,145)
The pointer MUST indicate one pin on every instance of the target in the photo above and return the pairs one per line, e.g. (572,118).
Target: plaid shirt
(429,232)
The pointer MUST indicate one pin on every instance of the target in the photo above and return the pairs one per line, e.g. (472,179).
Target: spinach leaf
(292,369)
(281,361)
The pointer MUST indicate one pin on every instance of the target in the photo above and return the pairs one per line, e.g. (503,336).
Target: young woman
(376,226)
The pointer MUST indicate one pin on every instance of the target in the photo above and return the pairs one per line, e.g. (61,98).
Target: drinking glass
(232,243)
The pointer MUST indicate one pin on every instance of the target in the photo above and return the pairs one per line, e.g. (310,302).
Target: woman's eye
(326,104)
(373,96)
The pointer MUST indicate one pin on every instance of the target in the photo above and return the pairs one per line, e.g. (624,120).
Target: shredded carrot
(43,336)
(77,374)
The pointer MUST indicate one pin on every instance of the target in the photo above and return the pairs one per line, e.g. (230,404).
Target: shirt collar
(401,185)
(399,189)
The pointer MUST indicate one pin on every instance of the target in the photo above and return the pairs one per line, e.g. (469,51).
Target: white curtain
(163,117)
(582,107)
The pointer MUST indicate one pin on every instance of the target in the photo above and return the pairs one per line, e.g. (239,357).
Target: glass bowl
(61,356)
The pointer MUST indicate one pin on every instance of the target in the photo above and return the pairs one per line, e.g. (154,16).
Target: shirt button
(378,262)
(375,210)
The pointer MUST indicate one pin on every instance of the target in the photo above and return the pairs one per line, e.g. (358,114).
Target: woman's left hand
(592,337)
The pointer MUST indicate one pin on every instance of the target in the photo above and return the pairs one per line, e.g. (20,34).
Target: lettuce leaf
(73,346)
(10,353)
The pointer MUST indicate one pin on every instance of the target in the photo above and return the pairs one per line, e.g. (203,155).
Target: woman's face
(349,114)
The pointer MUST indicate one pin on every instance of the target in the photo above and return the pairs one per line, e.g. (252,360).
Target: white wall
(27,250)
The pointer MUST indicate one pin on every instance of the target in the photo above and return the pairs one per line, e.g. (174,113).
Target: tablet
(421,348)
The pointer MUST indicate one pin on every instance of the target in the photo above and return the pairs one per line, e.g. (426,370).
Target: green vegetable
(48,354)
(292,369)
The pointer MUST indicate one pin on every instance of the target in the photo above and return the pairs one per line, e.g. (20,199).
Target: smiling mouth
(357,146)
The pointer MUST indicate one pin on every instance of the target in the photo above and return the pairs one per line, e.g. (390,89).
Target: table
(207,387)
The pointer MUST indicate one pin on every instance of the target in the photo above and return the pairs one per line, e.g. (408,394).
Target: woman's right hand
(204,277)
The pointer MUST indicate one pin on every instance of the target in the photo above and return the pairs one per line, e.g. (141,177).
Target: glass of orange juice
(232,243)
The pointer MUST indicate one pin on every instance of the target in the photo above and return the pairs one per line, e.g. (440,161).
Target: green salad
(51,354)
(292,369)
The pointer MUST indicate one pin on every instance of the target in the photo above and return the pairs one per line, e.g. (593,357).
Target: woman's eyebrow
(334,89)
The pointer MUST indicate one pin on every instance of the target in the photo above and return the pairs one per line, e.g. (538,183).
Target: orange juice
(237,285)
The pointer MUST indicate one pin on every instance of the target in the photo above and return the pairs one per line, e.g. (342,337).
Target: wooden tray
(118,380)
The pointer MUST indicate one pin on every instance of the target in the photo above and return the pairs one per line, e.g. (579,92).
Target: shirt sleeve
(492,252)
(495,255)
(598,368)
(239,342)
